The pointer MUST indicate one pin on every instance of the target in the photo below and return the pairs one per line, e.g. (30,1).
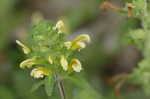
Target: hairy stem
(60,87)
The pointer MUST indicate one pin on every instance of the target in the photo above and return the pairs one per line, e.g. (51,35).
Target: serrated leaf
(37,85)
(49,85)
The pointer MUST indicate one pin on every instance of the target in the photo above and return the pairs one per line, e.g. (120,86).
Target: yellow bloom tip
(50,60)
(39,72)
(27,63)
(76,65)
(25,49)
(78,46)
(83,37)
(60,26)
(64,63)
(68,44)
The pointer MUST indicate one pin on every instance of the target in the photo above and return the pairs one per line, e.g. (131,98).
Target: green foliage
(140,37)
(37,85)
(5,93)
(82,88)
(136,37)
(49,85)
(140,7)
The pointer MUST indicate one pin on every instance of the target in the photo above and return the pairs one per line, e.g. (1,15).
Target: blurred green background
(103,60)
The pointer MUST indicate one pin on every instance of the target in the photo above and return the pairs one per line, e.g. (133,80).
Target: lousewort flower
(76,65)
(48,49)
(39,72)
(78,43)
(49,55)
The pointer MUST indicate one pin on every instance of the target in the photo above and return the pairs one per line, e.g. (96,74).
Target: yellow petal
(64,63)
(76,65)
(60,26)
(39,72)
(78,46)
(68,44)
(82,37)
(25,49)
(28,63)
(50,60)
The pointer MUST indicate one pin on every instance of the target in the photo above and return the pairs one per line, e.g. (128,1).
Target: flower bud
(60,26)
(130,7)
(28,63)
(50,60)
(25,49)
(64,63)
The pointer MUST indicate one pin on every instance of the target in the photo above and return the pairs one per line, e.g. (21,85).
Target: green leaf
(37,85)
(49,85)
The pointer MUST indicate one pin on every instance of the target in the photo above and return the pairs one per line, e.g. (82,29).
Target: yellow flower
(40,72)
(64,63)
(28,63)
(82,38)
(76,65)
(78,43)
(50,60)
(25,49)
(78,46)
(60,26)
(68,44)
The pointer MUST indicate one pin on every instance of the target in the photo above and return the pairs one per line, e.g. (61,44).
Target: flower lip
(76,65)
(39,72)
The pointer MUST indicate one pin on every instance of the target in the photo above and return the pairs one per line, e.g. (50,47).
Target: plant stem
(60,87)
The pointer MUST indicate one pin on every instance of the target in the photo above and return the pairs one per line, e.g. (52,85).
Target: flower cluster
(49,53)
